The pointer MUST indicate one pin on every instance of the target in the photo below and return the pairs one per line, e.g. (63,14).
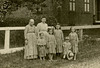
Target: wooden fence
(7,30)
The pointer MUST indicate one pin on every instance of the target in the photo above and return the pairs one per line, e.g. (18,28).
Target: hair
(56,25)
(71,28)
(31,20)
(43,17)
(52,30)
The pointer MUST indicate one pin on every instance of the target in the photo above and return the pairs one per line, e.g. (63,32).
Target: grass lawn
(88,57)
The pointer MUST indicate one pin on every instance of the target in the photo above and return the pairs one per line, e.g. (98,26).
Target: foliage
(8,6)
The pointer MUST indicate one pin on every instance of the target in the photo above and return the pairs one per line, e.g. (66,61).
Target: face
(73,30)
(43,20)
(67,40)
(57,26)
(31,22)
(50,32)
(42,35)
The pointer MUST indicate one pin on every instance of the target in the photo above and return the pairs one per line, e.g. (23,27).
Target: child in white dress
(51,44)
(59,38)
(41,46)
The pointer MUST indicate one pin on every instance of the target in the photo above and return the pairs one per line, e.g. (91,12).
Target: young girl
(30,41)
(59,38)
(67,49)
(51,44)
(73,37)
(41,46)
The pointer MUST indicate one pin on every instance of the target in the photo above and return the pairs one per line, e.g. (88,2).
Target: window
(86,5)
(72,5)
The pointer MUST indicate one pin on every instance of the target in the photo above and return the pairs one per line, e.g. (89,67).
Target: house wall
(79,17)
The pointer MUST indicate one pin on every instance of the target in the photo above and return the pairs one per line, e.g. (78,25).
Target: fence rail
(7,30)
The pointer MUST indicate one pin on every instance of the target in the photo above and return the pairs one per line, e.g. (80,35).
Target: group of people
(41,41)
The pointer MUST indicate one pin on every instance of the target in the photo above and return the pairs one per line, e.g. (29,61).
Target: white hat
(70,55)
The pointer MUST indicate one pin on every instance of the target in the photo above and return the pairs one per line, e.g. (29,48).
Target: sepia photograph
(49,33)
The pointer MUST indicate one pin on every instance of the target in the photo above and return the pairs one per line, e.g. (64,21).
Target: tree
(7,6)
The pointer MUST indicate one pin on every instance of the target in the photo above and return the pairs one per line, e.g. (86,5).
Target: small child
(67,49)
(59,38)
(73,37)
(51,44)
(41,46)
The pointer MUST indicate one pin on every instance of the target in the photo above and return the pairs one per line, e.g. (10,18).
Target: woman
(30,41)
(43,27)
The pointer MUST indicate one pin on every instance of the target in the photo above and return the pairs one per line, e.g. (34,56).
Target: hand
(26,42)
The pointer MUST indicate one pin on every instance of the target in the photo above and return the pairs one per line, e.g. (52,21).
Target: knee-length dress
(31,47)
(66,47)
(52,44)
(60,39)
(41,47)
(74,41)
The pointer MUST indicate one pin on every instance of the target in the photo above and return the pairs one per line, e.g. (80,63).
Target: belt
(41,45)
(31,32)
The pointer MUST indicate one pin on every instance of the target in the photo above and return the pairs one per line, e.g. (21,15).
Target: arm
(25,35)
(77,38)
(47,27)
(64,44)
(47,42)
(69,37)
(25,32)
(62,35)
(55,42)
(38,30)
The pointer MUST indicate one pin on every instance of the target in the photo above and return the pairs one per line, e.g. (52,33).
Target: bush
(13,22)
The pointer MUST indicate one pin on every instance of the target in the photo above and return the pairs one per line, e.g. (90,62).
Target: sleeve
(55,41)
(45,42)
(70,46)
(47,27)
(69,37)
(38,27)
(48,42)
(38,42)
(38,30)
(54,31)
(77,38)
(62,35)
(63,44)
(25,32)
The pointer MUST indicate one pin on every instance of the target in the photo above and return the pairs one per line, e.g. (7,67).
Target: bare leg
(75,56)
(43,58)
(40,58)
(51,56)
(64,56)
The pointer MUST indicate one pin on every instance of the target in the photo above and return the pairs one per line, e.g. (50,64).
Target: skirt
(31,47)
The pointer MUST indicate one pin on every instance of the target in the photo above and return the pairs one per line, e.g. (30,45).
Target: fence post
(7,39)
(81,34)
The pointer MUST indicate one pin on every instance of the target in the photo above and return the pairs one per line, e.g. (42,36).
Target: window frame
(72,5)
(87,6)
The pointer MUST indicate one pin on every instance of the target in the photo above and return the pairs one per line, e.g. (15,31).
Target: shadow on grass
(15,60)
